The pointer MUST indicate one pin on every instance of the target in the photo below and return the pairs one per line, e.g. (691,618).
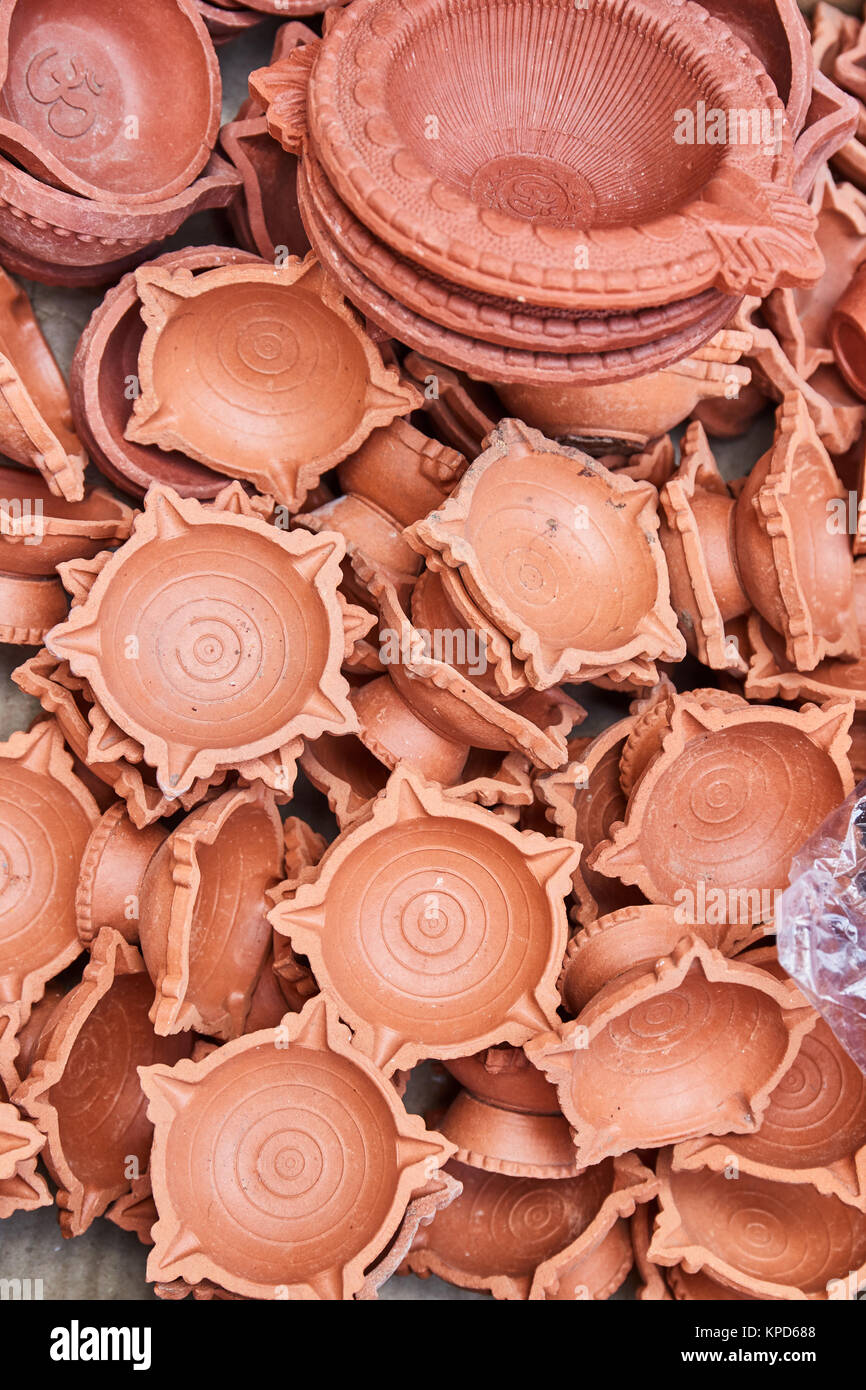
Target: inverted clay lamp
(585,800)
(83,1091)
(22,1188)
(721,810)
(283,1163)
(506,1118)
(396,477)
(204,929)
(505,216)
(814,1127)
(503,1234)
(236,656)
(727,1032)
(48,815)
(36,427)
(544,537)
(765,1239)
(103,381)
(771,548)
(441,603)
(112,869)
(417,924)
(259,346)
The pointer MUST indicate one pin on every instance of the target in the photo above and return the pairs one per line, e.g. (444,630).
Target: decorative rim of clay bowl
(20,1140)
(24,1189)
(75,132)
(502,1140)
(603,1064)
(204,928)
(457,405)
(771,674)
(788,1228)
(39,530)
(441,602)
(471,229)
(424,973)
(135,1210)
(102,1095)
(487,361)
(461,532)
(99,402)
(653,1286)
(299,1114)
(48,815)
(778,34)
(233,565)
(224,24)
(747,771)
(502,322)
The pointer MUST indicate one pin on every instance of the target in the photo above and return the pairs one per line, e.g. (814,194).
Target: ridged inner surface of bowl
(560,114)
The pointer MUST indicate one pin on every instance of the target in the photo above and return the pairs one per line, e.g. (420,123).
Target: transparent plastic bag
(821,923)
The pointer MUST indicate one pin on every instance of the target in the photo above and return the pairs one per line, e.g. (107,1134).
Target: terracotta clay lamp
(83,1090)
(814,1127)
(396,477)
(238,656)
(283,1164)
(48,815)
(538,533)
(36,429)
(18,1040)
(39,530)
(135,1210)
(765,1239)
(22,1188)
(441,603)
(462,411)
(652,722)
(421,941)
(506,1117)
(102,383)
(503,1233)
(462,208)
(771,548)
(721,810)
(224,23)
(112,869)
(204,931)
(257,345)
(69,80)
(674,1017)
(585,799)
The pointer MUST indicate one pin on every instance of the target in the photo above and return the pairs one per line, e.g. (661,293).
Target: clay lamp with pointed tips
(764,1239)
(259,348)
(536,1238)
(22,1188)
(83,1090)
(233,658)
(506,1117)
(47,816)
(283,1163)
(540,534)
(418,926)
(814,1127)
(717,816)
(727,1032)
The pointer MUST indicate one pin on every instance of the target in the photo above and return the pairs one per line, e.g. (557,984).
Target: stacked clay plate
(419,720)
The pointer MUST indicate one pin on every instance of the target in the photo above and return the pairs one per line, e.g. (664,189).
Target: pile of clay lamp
(338,940)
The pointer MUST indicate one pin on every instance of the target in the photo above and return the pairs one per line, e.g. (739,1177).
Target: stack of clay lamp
(378,558)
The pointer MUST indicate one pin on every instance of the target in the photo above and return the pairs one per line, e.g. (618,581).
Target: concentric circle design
(662,1069)
(212,638)
(259,360)
(283,1164)
(557,555)
(436,927)
(43,834)
(780,1233)
(731,810)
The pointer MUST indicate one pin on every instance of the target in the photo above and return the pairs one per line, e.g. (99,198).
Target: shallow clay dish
(724,806)
(814,1127)
(102,385)
(22,1188)
(539,534)
(691,1044)
(283,1163)
(261,347)
(39,530)
(765,1239)
(204,930)
(83,1090)
(417,924)
(48,815)
(507,215)
(248,624)
(502,1232)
